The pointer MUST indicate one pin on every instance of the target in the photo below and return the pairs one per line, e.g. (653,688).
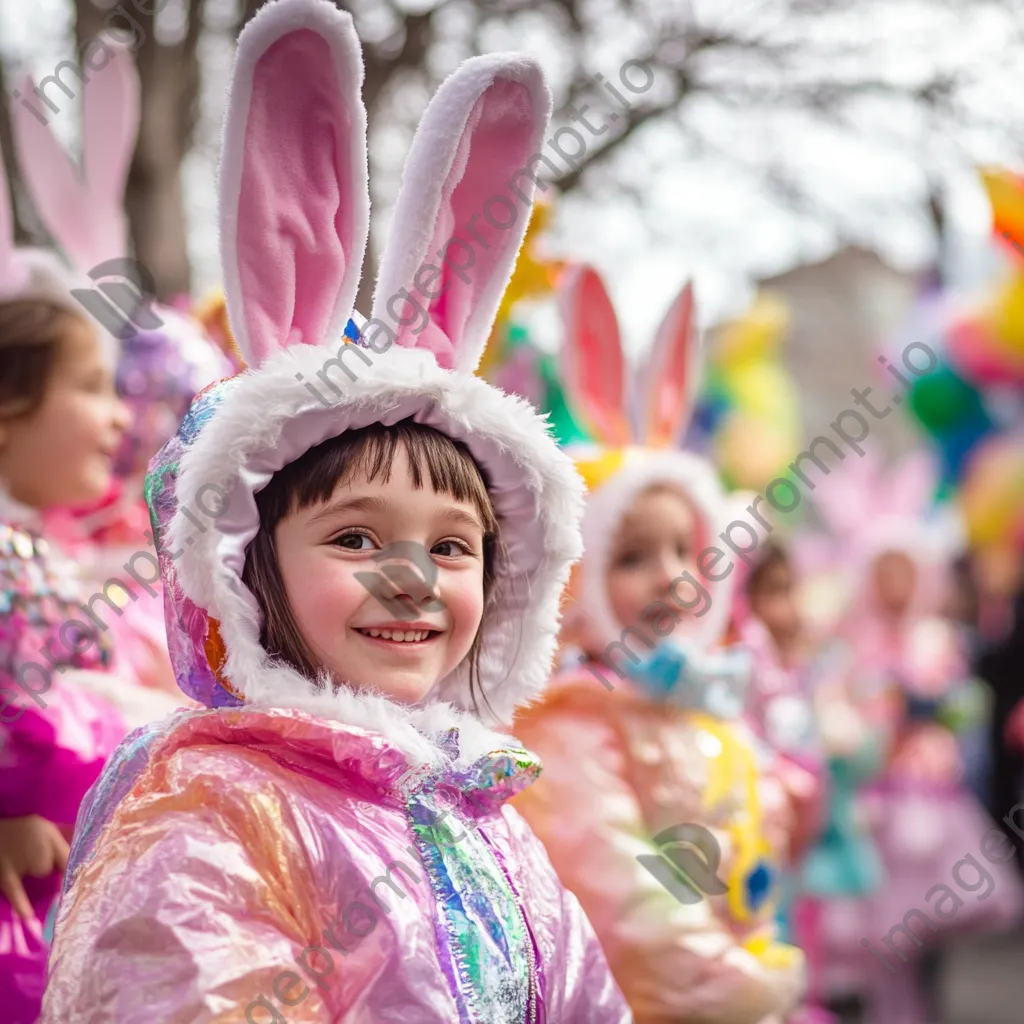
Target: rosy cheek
(464,602)
(323,596)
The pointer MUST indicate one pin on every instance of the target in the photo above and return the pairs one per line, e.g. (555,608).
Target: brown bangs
(433,457)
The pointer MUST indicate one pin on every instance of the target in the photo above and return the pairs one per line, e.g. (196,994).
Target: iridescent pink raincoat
(305,851)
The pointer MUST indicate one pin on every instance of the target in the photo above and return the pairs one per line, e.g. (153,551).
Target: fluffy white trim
(416,731)
(605,509)
(268,419)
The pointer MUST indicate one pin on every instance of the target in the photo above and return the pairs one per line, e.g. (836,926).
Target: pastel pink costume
(62,708)
(923,818)
(55,734)
(163,359)
(623,765)
(279,855)
(781,712)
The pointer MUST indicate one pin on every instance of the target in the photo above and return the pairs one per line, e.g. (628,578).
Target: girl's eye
(449,549)
(683,552)
(354,542)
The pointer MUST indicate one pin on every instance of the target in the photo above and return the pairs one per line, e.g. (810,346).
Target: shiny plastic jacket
(254,865)
(620,770)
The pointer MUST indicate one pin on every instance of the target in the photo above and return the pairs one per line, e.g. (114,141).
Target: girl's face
(895,579)
(385,581)
(773,601)
(656,543)
(63,452)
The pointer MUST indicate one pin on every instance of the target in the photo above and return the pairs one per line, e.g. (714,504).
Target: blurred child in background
(781,711)
(645,754)
(61,423)
(906,663)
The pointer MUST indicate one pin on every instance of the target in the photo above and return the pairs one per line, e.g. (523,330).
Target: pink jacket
(55,731)
(619,769)
(269,865)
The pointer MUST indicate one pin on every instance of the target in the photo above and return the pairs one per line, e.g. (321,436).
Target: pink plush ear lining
(296,220)
(670,384)
(593,365)
(467,243)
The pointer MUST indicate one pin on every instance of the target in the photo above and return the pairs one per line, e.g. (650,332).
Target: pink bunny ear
(592,364)
(82,208)
(462,211)
(294,205)
(668,385)
(847,498)
(912,486)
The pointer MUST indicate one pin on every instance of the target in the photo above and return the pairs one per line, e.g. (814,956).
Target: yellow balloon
(750,452)
(992,496)
(763,390)
(756,335)
(1004,318)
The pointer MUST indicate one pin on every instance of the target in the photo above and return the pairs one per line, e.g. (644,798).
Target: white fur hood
(293,220)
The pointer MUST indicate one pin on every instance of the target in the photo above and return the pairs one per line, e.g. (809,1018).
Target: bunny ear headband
(80,206)
(869,511)
(654,408)
(294,215)
(639,422)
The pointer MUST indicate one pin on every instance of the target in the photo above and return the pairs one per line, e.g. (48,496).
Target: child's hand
(28,846)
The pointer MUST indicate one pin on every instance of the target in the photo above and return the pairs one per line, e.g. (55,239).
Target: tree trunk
(21,236)
(153,199)
(169,77)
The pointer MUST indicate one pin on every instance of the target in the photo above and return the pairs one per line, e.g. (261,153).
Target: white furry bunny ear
(294,204)
(667,386)
(462,211)
(83,208)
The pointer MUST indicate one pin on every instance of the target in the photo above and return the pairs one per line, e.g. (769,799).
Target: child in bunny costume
(164,360)
(279,855)
(66,700)
(647,749)
(906,674)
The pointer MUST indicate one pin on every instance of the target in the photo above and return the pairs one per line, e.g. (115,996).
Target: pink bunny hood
(870,511)
(639,422)
(81,206)
(294,211)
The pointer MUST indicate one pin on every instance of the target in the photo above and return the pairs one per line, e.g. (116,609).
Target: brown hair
(312,478)
(31,333)
(772,554)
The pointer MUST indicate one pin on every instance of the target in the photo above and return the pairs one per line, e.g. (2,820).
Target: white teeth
(401,636)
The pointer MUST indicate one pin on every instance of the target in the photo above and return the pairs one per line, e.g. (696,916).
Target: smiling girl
(381,590)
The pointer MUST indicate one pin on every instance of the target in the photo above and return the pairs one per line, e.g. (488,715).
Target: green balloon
(942,400)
